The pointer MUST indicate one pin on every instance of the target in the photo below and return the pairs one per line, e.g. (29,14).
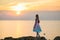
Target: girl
(37,28)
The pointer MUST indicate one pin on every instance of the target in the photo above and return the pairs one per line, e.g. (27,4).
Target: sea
(21,28)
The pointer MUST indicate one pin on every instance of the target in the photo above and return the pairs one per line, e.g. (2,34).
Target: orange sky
(32,4)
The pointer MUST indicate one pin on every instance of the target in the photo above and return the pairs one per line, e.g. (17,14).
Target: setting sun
(18,8)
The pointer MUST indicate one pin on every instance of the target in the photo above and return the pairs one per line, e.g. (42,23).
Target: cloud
(44,15)
(32,4)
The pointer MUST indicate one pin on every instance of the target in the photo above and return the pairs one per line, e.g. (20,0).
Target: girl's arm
(35,22)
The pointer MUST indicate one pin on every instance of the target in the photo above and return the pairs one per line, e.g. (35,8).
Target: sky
(47,9)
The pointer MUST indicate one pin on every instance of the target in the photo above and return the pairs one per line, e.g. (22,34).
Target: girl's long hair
(37,18)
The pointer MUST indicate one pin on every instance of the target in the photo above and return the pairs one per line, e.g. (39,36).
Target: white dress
(36,27)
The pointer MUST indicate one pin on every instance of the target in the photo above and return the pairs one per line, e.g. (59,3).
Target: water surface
(19,28)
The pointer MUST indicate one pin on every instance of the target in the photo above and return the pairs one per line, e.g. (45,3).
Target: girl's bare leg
(37,36)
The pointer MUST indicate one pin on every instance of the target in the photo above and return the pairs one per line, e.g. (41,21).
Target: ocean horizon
(20,28)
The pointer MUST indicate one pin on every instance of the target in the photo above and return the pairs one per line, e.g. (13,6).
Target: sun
(18,8)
